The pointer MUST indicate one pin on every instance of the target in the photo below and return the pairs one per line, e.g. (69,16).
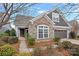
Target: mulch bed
(16,46)
(58,51)
(42,43)
(64,51)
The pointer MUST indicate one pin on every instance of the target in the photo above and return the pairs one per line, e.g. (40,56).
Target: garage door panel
(61,33)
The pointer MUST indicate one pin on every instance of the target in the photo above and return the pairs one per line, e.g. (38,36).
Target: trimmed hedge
(67,44)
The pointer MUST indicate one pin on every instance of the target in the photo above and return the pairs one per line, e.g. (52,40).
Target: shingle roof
(22,20)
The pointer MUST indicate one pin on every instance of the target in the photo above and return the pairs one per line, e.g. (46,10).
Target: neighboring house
(75,26)
(44,26)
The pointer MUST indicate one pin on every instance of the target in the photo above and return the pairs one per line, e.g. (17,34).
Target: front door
(22,32)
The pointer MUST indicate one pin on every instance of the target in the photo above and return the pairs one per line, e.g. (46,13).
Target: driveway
(71,40)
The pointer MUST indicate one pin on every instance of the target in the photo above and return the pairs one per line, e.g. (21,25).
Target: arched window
(42,32)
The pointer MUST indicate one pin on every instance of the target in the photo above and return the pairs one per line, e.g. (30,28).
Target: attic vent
(55,17)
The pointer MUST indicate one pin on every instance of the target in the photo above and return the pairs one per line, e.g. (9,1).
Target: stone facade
(41,21)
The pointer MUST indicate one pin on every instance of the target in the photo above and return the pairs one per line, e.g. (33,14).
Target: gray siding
(61,21)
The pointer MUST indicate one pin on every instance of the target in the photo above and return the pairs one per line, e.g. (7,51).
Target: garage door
(60,33)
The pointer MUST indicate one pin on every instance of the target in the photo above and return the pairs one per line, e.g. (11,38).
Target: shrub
(5,38)
(56,39)
(7,32)
(4,34)
(7,50)
(12,32)
(77,36)
(12,39)
(25,54)
(26,35)
(37,52)
(9,39)
(74,50)
(72,35)
(66,44)
(31,41)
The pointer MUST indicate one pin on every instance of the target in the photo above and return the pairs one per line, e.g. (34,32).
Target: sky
(39,8)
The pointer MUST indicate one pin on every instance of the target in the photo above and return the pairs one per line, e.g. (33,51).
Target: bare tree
(10,10)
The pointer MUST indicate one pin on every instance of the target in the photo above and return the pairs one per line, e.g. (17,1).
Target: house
(75,26)
(45,26)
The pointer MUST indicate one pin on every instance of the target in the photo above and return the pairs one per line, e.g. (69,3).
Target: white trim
(68,34)
(49,19)
(17,32)
(37,17)
(61,27)
(43,32)
(53,33)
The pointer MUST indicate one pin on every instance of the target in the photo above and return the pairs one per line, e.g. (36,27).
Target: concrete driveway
(71,40)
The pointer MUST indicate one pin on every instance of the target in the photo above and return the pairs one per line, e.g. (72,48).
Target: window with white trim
(55,17)
(42,31)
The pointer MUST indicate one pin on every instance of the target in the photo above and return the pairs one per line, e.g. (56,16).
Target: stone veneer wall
(42,21)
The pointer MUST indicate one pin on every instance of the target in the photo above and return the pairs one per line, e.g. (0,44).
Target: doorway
(22,32)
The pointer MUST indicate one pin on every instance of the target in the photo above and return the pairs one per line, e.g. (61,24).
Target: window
(42,32)
(55,17)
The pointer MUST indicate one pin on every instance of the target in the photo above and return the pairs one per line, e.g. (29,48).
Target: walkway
(23,47)
(71,40)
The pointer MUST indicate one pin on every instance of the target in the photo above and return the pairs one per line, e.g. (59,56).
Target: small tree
(12,32)
(72,35)
(7,32)
(56,39)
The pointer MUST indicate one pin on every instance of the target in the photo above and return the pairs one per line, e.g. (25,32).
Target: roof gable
(22,20)
(62,19)
(40,16)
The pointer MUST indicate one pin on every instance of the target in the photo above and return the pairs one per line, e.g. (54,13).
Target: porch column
(17,32)
(53,33)
(68,34)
